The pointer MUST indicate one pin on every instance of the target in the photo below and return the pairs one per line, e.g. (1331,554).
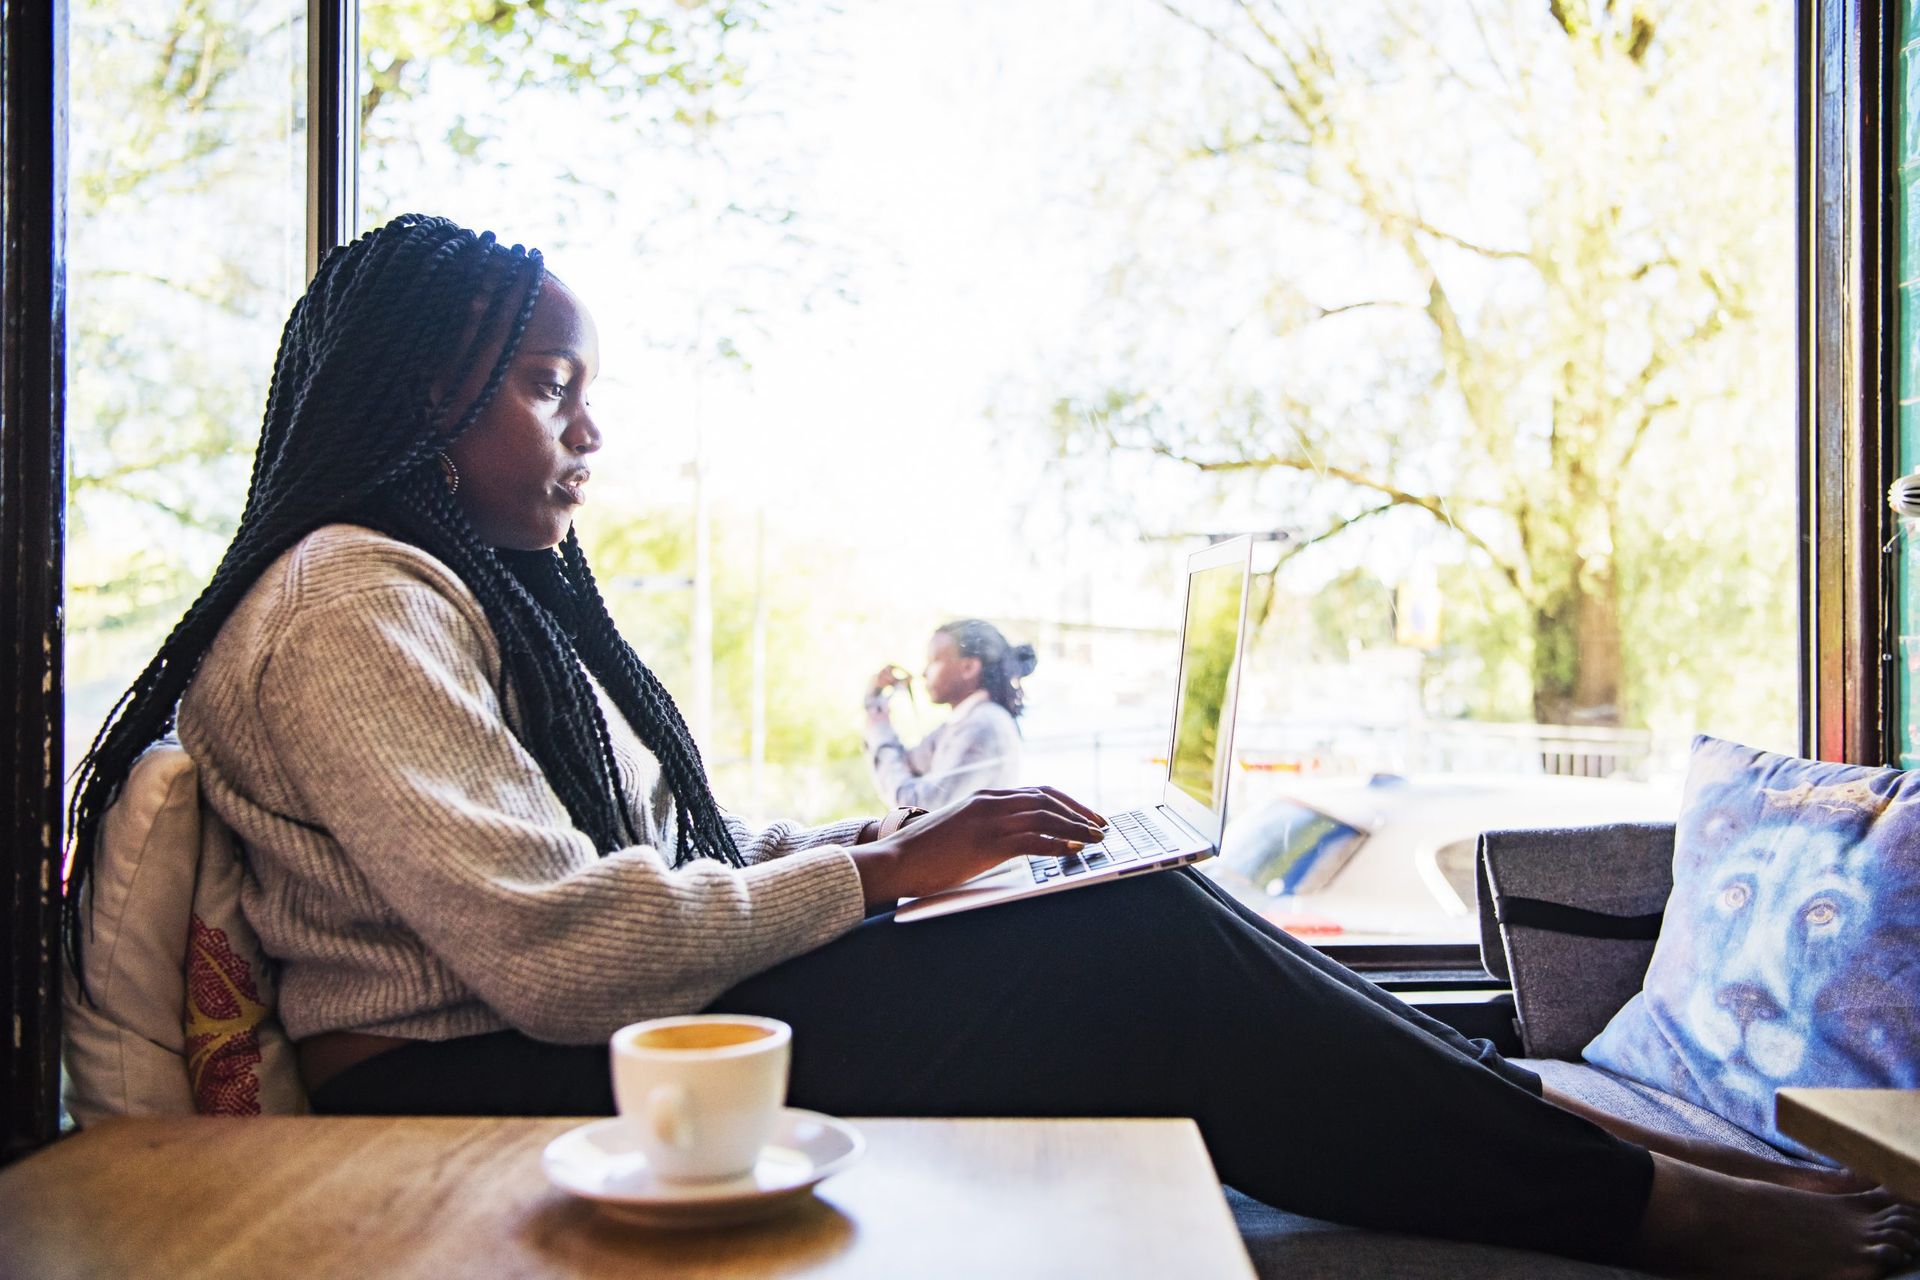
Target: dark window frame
(33,78)
(1848,298)
(1845,81)
(32,538)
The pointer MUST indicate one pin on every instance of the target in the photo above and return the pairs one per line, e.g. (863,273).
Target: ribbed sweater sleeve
(782,838)
(383,727)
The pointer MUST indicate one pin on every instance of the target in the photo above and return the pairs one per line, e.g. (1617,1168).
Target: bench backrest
(1569,917)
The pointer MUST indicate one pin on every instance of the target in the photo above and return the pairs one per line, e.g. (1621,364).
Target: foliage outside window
(186,240)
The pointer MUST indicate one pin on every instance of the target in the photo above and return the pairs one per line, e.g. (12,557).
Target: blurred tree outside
(185,245)
(643,568)
(1506,281)
(187,214)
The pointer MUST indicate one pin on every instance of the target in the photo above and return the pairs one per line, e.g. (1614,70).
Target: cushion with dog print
(1790,950)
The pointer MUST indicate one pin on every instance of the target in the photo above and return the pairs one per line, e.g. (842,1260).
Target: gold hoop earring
(449,472)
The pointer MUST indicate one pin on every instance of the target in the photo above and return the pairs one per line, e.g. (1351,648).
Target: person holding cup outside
(480,841)
(972,669)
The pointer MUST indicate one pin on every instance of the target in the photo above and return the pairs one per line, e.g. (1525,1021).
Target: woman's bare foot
(1739,1164)
(1831,1182)
(1712,1155)
(1703,1223)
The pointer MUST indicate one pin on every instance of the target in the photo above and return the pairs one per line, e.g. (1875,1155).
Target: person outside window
(479,839)
(971,668)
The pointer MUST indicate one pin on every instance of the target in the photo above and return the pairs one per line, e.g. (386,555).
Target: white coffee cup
(700,1093)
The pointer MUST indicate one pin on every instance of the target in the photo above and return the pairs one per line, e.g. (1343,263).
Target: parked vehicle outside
(1389,858)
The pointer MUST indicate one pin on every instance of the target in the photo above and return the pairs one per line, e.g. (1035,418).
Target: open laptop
(1185,825)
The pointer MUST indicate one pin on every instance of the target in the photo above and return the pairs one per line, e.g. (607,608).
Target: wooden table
(1871,1131)
(436,1197)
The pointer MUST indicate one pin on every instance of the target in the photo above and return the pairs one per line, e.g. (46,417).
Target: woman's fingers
(1033,843)
(965,838)
(1051,822)
(1015,806)
(1081,809)
(1027,798)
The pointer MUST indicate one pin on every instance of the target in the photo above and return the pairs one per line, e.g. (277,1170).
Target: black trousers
(1153,996)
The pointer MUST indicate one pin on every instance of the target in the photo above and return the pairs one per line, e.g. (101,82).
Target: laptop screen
(1206,667)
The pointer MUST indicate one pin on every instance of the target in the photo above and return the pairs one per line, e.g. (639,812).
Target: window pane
(186,245)
(1481,319)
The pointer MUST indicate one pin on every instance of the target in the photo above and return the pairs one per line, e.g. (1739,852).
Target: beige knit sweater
(408,864)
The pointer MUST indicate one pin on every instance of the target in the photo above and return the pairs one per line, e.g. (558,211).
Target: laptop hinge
(1181,825)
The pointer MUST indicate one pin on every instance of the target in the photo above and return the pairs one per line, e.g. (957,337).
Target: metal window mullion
(333,125)
(1847,311)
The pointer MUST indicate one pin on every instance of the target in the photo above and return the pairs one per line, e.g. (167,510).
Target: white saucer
(602,1162)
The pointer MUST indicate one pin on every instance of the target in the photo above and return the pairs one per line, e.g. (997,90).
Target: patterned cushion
(178,1016)
(230,1028)
(1790,951)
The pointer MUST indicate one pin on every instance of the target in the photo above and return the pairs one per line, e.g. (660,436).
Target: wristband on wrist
(894,819)
(898,818)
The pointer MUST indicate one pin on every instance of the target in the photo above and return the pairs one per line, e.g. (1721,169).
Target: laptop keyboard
(1132,836)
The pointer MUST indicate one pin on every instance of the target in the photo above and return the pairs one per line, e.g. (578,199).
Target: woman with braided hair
(479,839)
(459,789)
(971,668)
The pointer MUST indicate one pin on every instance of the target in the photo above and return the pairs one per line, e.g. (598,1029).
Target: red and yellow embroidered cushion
(224,1013)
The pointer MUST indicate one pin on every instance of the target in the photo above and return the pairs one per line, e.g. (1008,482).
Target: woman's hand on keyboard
(974,835)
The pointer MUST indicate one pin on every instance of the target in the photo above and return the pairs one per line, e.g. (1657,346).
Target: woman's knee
(1159,908)
(1134,926)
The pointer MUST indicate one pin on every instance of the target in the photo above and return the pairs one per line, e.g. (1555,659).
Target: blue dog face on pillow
(1777,936)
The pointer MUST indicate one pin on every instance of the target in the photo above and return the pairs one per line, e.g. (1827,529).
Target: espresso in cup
(701,1093)
(709,1033)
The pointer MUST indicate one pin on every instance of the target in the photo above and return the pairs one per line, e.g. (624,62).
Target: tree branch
(383,81)
(1456,348)
(1397,304)
(1663,353)
(1271,578)
(1426,228)
(128,466)
(1288,93)
(1486,45)
(1227,148)
(1334,530)
(196,292)
(1437,507)
(206,523)
(1647,415)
